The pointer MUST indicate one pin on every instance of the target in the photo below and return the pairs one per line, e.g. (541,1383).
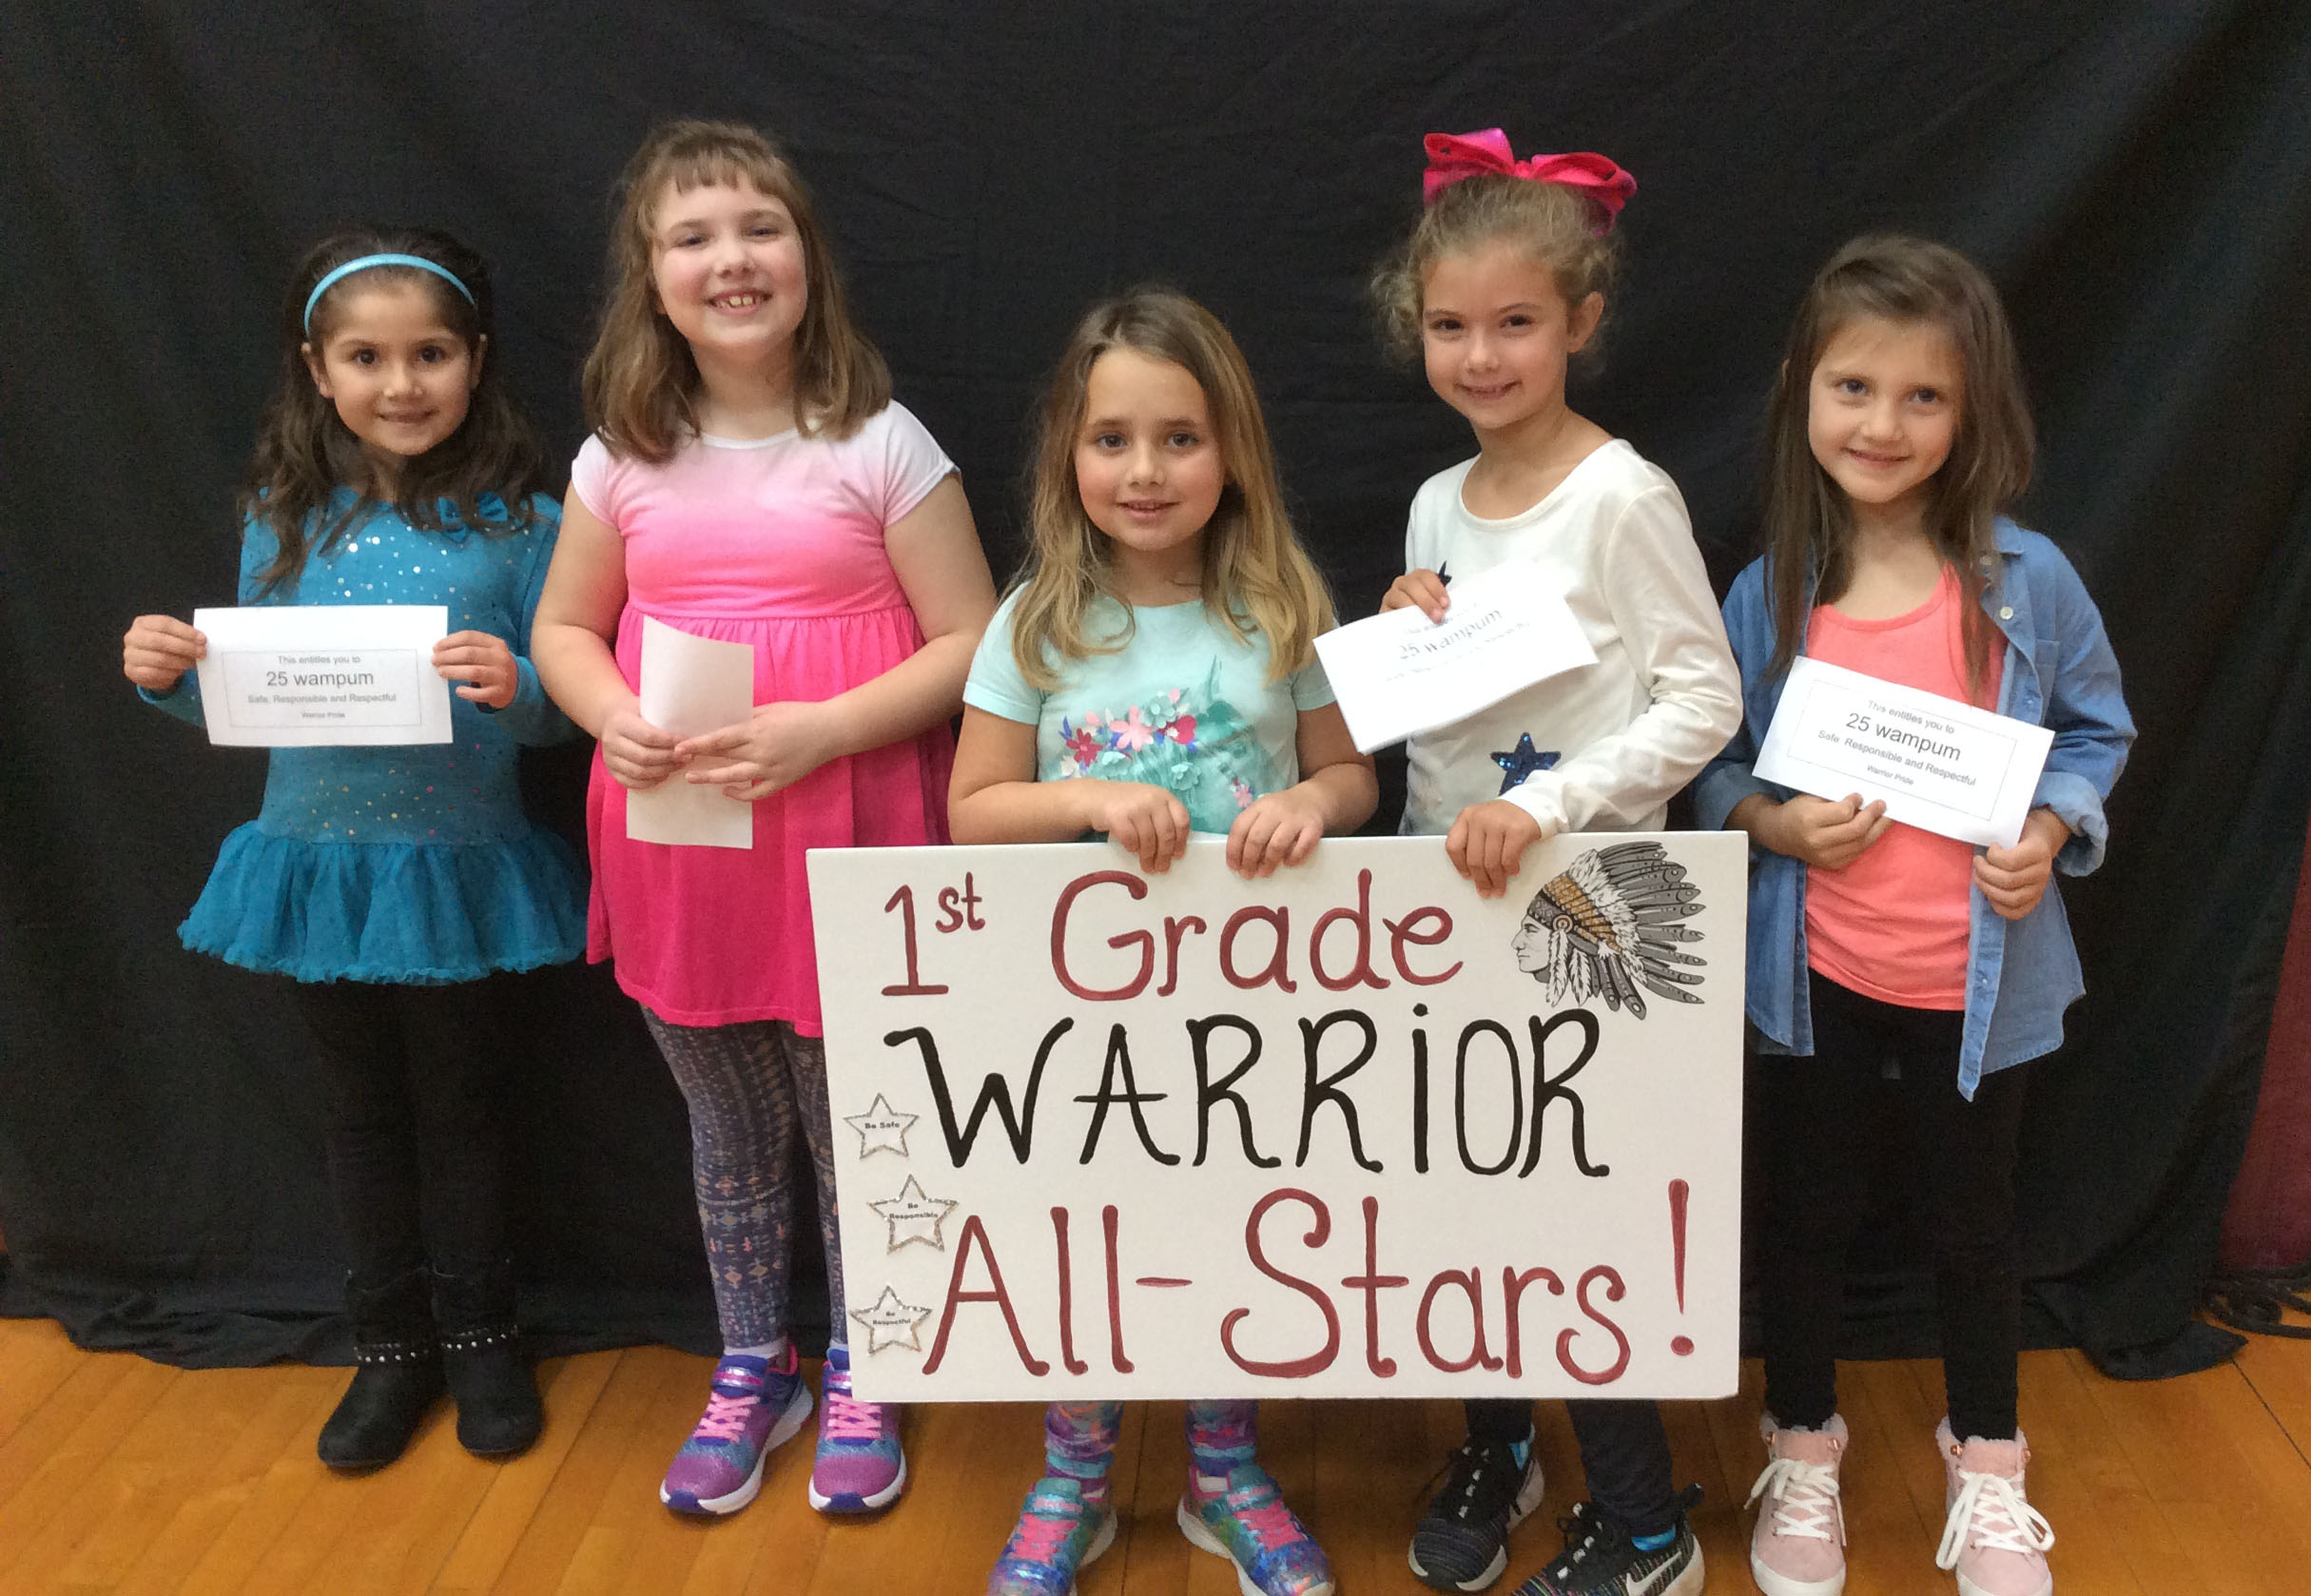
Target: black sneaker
(1600,1559)
(1462,1542)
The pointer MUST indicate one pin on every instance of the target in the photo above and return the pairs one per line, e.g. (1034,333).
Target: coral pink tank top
(1893,924)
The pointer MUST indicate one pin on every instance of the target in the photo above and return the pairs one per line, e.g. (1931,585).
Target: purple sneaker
(752,1407)
(860,1465)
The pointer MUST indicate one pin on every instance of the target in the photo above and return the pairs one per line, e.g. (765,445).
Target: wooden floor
(117,1474)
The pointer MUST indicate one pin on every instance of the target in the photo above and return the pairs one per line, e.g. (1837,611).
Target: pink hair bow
(1453,157)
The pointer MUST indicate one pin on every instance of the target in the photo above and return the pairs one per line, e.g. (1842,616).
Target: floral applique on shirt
(1188,740)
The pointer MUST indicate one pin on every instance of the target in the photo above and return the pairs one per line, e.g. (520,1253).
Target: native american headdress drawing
(1611,922)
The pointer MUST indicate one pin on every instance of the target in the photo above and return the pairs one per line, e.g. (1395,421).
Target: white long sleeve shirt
(1601,748)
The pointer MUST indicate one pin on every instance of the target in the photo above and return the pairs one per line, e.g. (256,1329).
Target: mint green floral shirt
(1183,706)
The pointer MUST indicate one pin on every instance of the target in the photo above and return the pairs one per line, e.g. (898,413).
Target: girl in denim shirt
(1880,955)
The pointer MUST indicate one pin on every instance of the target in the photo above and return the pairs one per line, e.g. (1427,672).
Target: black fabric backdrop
(2136,175)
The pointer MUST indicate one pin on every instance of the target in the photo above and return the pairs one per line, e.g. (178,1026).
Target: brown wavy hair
(1809,523)
(641,383)
(1556,225)
(305,452)
(1257,577)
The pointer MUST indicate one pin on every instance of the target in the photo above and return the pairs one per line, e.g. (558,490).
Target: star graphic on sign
(1522,760)
(914,1216)
(891,1323)
(882,1128)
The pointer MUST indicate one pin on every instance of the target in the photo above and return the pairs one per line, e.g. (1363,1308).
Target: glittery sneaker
(1057,1533)
(1249,1524)
(860,1466)
(753,1406)
(1994,1540)
(1462,1540)
(1799,1546)
(1601,1559)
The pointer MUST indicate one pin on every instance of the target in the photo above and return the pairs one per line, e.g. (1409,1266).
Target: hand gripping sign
(1348,1131)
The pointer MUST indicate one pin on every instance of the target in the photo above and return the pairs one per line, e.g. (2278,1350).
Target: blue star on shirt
(1522,760)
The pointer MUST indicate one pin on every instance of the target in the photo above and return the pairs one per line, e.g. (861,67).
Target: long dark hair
(1809,524)
(641,382)
(305,453)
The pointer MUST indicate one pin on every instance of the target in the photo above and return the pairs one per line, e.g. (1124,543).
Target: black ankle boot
(396,1374)
(481,1356)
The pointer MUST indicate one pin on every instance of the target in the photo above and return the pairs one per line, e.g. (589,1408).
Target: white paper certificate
(691,685)
(1400,673)
(309,675)
(1941,766)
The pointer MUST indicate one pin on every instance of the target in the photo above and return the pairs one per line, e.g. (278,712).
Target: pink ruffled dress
(777,543)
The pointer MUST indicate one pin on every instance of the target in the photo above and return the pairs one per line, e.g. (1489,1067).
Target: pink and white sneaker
(1994,1539)
(1799,1546)
(860,1465)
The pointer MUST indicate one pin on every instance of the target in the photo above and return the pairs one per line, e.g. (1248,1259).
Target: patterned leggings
(1079,1440)
(749,1085)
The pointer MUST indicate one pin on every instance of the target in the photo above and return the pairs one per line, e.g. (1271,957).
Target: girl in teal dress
(386,883)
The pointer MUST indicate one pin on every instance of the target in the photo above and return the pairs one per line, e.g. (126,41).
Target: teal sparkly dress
(411,864)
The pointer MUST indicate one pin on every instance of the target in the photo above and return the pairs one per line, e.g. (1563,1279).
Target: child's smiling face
(1149,471)
(401,377)
(1496,334)
(728,268)
(1882,410)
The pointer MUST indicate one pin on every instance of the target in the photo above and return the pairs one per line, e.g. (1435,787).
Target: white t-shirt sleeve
(1654,580)
(912,463)
(590,480)
(995,684)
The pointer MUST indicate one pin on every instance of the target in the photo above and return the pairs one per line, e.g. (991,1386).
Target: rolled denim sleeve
(2092,729)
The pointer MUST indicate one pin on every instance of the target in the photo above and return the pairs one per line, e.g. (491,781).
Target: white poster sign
(308,675)
(1400,673)
(1349,1131)
(1940,765)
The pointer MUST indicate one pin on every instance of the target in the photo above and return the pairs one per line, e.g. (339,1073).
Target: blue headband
(362,262)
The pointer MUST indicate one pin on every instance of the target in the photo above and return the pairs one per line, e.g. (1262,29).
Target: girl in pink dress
(751,481)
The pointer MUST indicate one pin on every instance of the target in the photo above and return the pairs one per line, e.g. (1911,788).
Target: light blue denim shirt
(2059,673)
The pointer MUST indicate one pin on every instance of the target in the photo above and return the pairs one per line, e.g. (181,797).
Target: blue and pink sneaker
(753,1408)
(860,1466)
(1248,1524)
(1057,1533)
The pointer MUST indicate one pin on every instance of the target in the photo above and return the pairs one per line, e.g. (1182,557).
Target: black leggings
(1822,1115)
(417,1151)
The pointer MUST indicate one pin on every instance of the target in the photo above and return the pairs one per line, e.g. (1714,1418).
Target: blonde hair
(1255,578)
(1809,522)
(641,382)
(1560,228)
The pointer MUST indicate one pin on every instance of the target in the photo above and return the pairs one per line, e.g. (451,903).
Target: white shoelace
(1805,1499)
(1991,1512)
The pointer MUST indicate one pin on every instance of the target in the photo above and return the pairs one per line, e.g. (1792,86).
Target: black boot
(397,1373)
(482,1354)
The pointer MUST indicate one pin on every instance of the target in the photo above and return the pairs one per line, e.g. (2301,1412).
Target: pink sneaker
(1995,1540)
(1799,1546)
